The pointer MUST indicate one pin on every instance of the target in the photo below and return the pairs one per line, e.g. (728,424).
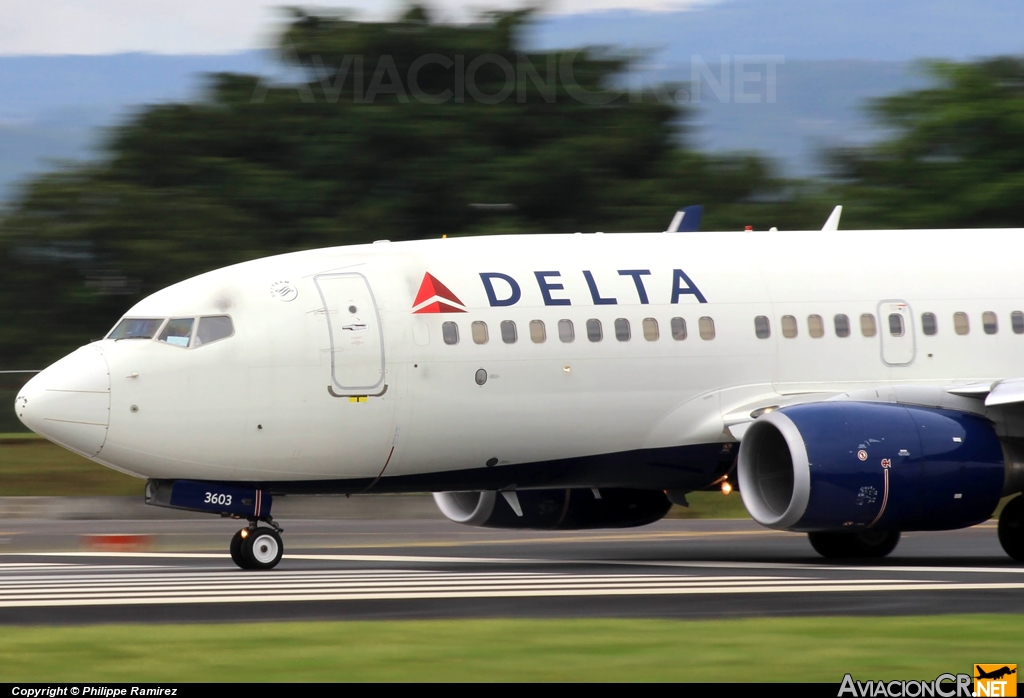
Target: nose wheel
(256,548)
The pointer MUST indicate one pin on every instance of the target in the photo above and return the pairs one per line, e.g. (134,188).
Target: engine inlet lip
(749,489)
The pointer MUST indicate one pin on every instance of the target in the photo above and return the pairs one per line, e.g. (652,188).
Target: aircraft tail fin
(686,220)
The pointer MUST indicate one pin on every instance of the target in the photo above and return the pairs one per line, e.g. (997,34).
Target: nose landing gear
(257,547)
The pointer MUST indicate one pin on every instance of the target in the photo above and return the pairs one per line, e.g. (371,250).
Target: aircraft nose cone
(69,402)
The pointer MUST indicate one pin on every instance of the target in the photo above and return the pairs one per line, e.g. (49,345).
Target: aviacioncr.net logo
(943,686)
(995,680)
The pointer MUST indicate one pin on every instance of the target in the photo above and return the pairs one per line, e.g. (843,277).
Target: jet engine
(851,467)
(561,509)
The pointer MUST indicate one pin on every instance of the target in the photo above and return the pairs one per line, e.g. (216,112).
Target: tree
(955,158)
(398,130)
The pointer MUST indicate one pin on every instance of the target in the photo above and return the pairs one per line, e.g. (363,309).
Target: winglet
(833,220)
(686,220)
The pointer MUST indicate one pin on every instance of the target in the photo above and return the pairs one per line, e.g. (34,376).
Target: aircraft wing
(967,397)
(1007,391)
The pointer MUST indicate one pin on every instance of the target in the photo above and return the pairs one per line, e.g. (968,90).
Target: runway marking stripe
(354,558)
(513,593)
(468,584)
(122,586)
(531,561)
(235,576)
(212,586)
(813,566)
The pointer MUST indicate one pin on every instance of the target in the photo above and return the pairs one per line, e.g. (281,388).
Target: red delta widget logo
(503,290)
(435,297)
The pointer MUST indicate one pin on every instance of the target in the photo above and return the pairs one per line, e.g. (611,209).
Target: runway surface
(179,571)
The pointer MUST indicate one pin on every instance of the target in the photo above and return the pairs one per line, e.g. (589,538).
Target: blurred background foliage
(255,169)
(955,158)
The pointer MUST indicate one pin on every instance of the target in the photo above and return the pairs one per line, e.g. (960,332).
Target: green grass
(710,505)
(758,649)
(31,466)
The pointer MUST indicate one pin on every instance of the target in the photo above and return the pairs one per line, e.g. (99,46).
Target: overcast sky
(34,27)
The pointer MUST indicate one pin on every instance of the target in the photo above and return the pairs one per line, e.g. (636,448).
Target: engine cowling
(562,509)
(847,466)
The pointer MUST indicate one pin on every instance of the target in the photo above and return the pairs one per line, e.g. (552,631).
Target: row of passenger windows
(706,327)
(895,321)
(594,329)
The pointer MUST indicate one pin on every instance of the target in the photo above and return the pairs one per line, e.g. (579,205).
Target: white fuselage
(331,374)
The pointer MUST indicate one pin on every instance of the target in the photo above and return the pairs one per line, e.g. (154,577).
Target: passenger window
(989,323)
(842,324)
(707,328)
(651,332)
(762,327)
(538,334)
(594,331)
(867,325)
(815,326)
(788,326)
(508,332)
(450,332)
(961,325)
(136,328)
(479,331)
(1017,322)
(213,328)
(895,324)
(178,331)
(928,324)
(565,331)
(622,329)
(678,329)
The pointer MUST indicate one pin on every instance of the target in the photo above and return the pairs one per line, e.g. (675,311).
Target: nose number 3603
(214,498)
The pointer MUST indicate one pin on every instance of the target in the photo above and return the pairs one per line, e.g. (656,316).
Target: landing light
(245,533)
(764,410)
(726,488)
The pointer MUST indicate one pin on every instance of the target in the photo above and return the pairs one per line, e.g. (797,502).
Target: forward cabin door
(356,335)
(897,330)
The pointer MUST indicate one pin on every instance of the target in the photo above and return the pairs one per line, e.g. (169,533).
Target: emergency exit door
(356,336)
(897,331)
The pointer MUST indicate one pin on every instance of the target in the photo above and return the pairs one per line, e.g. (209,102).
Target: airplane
(995,673)
(851,385)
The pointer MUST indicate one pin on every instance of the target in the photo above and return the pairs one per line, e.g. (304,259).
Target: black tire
(1011,528)
(828,544)
(262,549)
(236,550)
(864,545)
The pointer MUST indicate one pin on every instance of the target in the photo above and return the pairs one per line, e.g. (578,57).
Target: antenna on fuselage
(833,220)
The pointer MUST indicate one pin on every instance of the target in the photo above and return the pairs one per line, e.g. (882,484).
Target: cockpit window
(136,328)
(213,328)
(178,331)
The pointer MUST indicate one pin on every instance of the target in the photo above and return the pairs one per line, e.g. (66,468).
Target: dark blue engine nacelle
(845,466)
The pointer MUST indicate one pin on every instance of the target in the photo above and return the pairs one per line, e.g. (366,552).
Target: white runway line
(334,558)
(819,566)
(792,566)
(73,586)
